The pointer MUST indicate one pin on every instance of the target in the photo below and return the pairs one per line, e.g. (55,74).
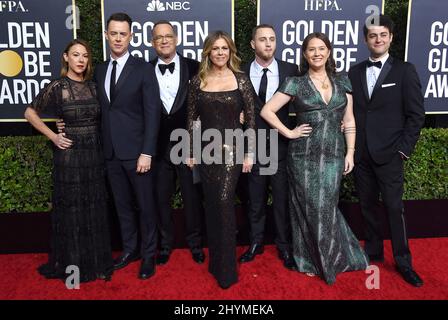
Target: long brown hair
(206,64)
(64,65)
(330,65)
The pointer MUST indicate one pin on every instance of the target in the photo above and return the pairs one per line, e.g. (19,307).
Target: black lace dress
(80,229)
(220,111)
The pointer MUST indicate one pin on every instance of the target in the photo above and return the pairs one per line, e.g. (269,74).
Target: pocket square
(388,85)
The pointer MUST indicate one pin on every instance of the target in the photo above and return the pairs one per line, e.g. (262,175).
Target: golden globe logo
(10,63)
(12,6)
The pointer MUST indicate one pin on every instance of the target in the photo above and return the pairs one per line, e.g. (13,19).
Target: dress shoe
(125,259)
(198,255)
(250,254)
(147,269)
(163,256)
(410,276)
(288,259)
(376,257)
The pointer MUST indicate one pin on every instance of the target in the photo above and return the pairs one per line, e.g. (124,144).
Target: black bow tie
(377,64)
(163,67)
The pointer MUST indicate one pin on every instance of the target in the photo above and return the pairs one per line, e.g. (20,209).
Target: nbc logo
(155,5)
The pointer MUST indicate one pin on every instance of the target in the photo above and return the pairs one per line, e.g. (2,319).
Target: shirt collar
(122,60)
(383,59)
(272,67)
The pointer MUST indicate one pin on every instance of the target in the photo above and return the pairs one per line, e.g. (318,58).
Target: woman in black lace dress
(217,96)
(80,230)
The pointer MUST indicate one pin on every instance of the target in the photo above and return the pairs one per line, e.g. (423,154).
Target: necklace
(324,85)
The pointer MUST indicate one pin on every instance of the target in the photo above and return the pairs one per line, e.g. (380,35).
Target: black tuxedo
(166,171)
(257,184)
(387,125)
(129,128)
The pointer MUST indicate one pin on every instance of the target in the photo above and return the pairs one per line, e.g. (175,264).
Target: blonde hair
(64,65)
(206,64)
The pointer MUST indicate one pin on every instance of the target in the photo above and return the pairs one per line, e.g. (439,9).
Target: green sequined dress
(323,243)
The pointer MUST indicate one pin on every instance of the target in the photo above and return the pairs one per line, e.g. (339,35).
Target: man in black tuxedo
(174,73)
(389,113)
(267,74)
(129,97)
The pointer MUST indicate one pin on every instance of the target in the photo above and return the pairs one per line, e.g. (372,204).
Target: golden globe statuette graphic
(10,63)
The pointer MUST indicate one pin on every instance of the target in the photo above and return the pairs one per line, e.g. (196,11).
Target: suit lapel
(183,85)
(127,69)
(363,76)
(101,79)
(384,72)
(258,101)
(281,72)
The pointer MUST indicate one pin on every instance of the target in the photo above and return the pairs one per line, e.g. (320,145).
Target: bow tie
(163,67)
(377,64)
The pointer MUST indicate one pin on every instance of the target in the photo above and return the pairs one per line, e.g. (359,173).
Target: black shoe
(410,276)
(147,269)
(163,256)
(198,255)
(250,254)
(288,260)
(125,259)
(376,257)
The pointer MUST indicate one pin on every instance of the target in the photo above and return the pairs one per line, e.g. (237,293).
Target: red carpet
(264,278)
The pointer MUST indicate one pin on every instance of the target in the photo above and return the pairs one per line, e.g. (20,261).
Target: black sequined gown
(221,110)
(80,230)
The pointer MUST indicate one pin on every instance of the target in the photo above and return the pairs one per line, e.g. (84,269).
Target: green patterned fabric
(323,243)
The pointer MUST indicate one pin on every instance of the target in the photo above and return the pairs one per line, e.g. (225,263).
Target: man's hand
(190,163)
(143,164)
(242,117)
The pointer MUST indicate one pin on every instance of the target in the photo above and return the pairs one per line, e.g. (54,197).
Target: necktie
(163,67)
(112,80)
(377,64)
(263,86)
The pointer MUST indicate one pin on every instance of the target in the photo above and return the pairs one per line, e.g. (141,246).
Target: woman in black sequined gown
(217,96)
(80,230)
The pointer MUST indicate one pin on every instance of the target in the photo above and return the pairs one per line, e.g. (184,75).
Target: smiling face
(316,53)
(164,41)
(378,40)
(118,35)
(264,44)
(220,53)
(77,59)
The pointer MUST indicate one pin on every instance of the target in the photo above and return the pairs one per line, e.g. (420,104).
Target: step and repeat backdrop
(32,40)
(31,46)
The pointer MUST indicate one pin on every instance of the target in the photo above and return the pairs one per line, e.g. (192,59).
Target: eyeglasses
(167,37)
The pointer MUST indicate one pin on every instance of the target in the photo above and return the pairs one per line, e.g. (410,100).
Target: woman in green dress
(323,243)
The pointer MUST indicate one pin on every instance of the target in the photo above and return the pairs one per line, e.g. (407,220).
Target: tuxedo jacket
(391,120)
(177,118)
(285,69)
(130,123)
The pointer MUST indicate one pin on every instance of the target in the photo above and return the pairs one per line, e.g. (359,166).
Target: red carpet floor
(264,278)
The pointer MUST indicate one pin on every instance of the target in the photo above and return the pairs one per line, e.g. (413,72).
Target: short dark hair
(384,21)
(163,22)
(119,16)
(261,26)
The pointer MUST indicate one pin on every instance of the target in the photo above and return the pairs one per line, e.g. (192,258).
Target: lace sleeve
(247,92)
(48,99)
(193,112)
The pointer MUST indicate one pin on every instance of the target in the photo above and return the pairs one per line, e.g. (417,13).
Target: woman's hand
(247,164)
(303,130)
(61,141)
(191,162)
(349,163)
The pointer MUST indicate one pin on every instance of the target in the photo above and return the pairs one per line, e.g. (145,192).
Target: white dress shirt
(372,73)
(120,65)
(168,83)
(256,72)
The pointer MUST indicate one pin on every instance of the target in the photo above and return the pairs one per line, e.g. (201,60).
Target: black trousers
(166,173)
(372,179)
(257,190)
(134,201)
